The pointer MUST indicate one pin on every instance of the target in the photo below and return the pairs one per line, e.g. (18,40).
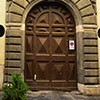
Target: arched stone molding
(16,8)
(85,18)
(79,30)
(87,9)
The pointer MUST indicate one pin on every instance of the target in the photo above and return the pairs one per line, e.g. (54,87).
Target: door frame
(68,63)
(79,33)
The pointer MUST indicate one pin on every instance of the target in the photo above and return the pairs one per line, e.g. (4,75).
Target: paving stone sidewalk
(57,95)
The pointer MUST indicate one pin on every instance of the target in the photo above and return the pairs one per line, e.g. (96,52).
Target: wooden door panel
(58,58)
(58,51)
(49,62)
(29,56)
(72,68)
(59,75)
(42,45)
(59,71)
(42,23)
(29,72)
(42,71)
(29,48)
(42,75)
(57,18)
(71,58)
(29,44)
(58,45)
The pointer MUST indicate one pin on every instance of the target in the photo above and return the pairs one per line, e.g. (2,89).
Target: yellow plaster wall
(2,40)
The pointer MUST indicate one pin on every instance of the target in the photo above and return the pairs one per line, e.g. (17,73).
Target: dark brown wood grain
(49,64)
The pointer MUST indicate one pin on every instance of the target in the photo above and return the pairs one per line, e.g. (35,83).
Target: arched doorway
(50,55)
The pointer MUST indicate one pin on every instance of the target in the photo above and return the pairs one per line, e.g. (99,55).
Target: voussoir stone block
(8,5)
(16,8)
(89,19)
(87,11)
(83,3)
(22,3)
(30,0)
(14,18)
(74,1)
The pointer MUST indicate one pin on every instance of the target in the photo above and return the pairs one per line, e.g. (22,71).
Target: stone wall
(87,42)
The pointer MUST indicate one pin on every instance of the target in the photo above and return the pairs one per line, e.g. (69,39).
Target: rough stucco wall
(2,40)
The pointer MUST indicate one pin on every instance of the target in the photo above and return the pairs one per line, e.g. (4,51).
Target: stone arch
(87,10)
(16,8)
(85,16)
(70,5)
(79,30)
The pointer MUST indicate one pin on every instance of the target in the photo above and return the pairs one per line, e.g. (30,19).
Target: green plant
(16,89)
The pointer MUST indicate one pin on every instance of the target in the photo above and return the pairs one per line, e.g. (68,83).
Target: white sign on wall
(71,45)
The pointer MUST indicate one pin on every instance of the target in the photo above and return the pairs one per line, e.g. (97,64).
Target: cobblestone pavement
(57,95)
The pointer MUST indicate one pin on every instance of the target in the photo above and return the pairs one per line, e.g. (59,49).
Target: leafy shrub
(16,89)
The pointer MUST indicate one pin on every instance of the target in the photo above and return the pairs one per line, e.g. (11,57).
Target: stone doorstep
(89,90)
(37,93)
(75,93)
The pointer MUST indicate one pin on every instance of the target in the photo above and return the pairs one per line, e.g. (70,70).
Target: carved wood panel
(50,64)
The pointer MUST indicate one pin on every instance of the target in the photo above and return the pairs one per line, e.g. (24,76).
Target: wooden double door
(50,55)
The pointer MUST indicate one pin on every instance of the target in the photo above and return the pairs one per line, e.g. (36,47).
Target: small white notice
(71,45)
